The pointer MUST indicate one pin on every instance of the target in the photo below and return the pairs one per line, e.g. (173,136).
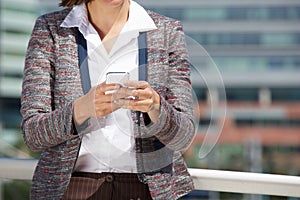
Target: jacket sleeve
(175,126)
(43,125)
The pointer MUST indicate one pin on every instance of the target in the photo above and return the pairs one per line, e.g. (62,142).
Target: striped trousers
(106,186)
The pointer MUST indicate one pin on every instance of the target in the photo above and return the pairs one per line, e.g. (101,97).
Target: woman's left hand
(139,96)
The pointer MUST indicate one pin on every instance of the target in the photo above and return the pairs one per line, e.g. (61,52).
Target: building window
(10,116)
(285,94)
(242,94)
(201,93)
(231,13)
(268,122)
(261,39)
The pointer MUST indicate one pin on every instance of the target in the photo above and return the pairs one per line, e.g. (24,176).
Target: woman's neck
(108,19)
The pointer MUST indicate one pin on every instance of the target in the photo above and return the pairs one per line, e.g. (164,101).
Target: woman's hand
(99,102)
(96,103)
(139,96)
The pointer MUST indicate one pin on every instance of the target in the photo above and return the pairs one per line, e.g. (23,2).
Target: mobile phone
(117,77)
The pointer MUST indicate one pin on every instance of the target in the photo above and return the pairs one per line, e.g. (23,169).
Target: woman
(103,140)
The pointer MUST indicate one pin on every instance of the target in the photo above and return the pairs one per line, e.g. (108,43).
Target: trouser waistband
(109,177)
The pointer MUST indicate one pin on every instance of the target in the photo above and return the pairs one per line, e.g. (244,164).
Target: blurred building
(17,18)
(16,22)
(256,47)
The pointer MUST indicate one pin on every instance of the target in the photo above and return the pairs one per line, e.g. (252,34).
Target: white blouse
(111,148)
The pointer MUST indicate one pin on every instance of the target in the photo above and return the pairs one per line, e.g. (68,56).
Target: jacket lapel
(83,62)
(143,56)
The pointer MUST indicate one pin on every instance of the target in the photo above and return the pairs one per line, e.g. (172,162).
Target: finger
(102,88)
(124,103)
(137,84)
(143,94)
(103,98)
(123,93)
(136,105)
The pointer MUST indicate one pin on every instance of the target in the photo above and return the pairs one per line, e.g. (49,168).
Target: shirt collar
(138,20)
(77,17)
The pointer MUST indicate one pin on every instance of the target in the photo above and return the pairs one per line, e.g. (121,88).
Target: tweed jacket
(52,83)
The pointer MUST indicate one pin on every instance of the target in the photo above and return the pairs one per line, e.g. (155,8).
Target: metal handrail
(204,179)
(246,183)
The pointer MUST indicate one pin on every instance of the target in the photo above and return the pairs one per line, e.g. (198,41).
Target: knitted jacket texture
(52,83)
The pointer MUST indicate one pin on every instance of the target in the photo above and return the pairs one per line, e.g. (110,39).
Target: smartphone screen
(117,77)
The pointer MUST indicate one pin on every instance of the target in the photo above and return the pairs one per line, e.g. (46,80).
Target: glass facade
(234,13)
(228,36)
(255,45)
(244,38)
(257,63)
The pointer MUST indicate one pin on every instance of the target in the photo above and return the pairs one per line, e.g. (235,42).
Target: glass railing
(204,179)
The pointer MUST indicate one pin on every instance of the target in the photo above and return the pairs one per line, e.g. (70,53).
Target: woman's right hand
(95,103)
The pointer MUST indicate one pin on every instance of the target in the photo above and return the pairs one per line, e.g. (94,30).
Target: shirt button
(109,178)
